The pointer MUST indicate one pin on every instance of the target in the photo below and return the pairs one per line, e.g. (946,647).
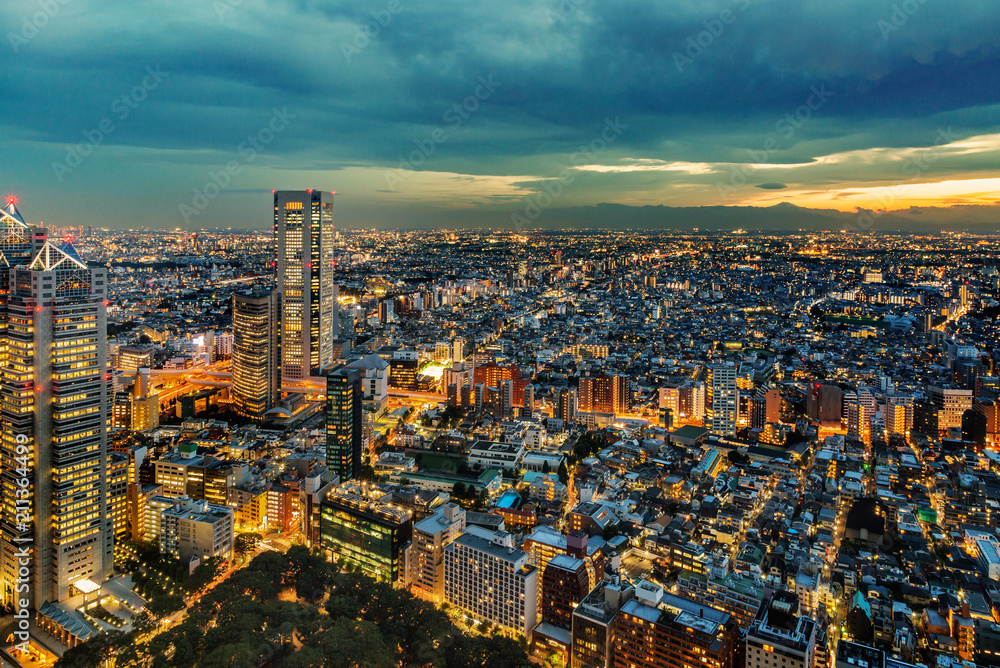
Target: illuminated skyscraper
(722,400)
(55,408)
(255,369)
(344,397)
(307,295)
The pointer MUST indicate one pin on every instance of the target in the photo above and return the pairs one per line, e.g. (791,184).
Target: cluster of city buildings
(632,450)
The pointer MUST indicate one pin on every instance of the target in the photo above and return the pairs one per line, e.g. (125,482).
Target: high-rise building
(823,404)
(55,404)
(951,402)
(659,630)
(566,404)
(430,537)
(132,359)
(528,400)
(593,629)
(621,394)
(507,399)
(307,295)
(196,529)
(344,429)
(721,401)
(778,630)
(565,583)
(991,409)
(492,581)
(255,370)
(360,529)
(458,349)
(898,414)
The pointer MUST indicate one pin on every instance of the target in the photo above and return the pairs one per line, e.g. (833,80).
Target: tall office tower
(721,400)
(823,404)
(19,242)
(860,414)
(566,404)
(951,402)
(586,394)
(344,399)
(507,399)
(991,409)
(307,295)
(458,349)
(925,419)
(758,412)
(778,630)
(621,394)
(898,414)
(255,369)
(55,404)
(528,400)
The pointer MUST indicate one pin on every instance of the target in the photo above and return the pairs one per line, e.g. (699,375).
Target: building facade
(306,294)
(344,428)
(492,581)
(255,371)
(55,404)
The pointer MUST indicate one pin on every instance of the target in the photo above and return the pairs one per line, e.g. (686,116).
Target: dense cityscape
(322,446)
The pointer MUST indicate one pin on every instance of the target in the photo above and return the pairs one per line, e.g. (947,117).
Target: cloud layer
(409,108)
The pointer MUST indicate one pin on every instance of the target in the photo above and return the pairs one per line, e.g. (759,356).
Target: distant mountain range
(783,216)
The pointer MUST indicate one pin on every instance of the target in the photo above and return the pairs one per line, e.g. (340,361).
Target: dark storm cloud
(696,80)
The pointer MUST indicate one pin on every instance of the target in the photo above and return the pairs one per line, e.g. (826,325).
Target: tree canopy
(297,610)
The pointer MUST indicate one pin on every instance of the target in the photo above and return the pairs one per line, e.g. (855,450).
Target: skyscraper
(55,405)
(721,401)
(255,372)
(344,398)
(307,295)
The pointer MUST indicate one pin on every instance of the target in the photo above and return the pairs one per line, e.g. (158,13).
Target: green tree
(354,644)
(161,606)
(246,543)
(563,473)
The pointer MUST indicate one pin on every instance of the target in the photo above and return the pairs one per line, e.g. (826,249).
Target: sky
(437,113)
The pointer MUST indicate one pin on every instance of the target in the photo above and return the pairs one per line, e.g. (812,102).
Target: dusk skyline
(456,114)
